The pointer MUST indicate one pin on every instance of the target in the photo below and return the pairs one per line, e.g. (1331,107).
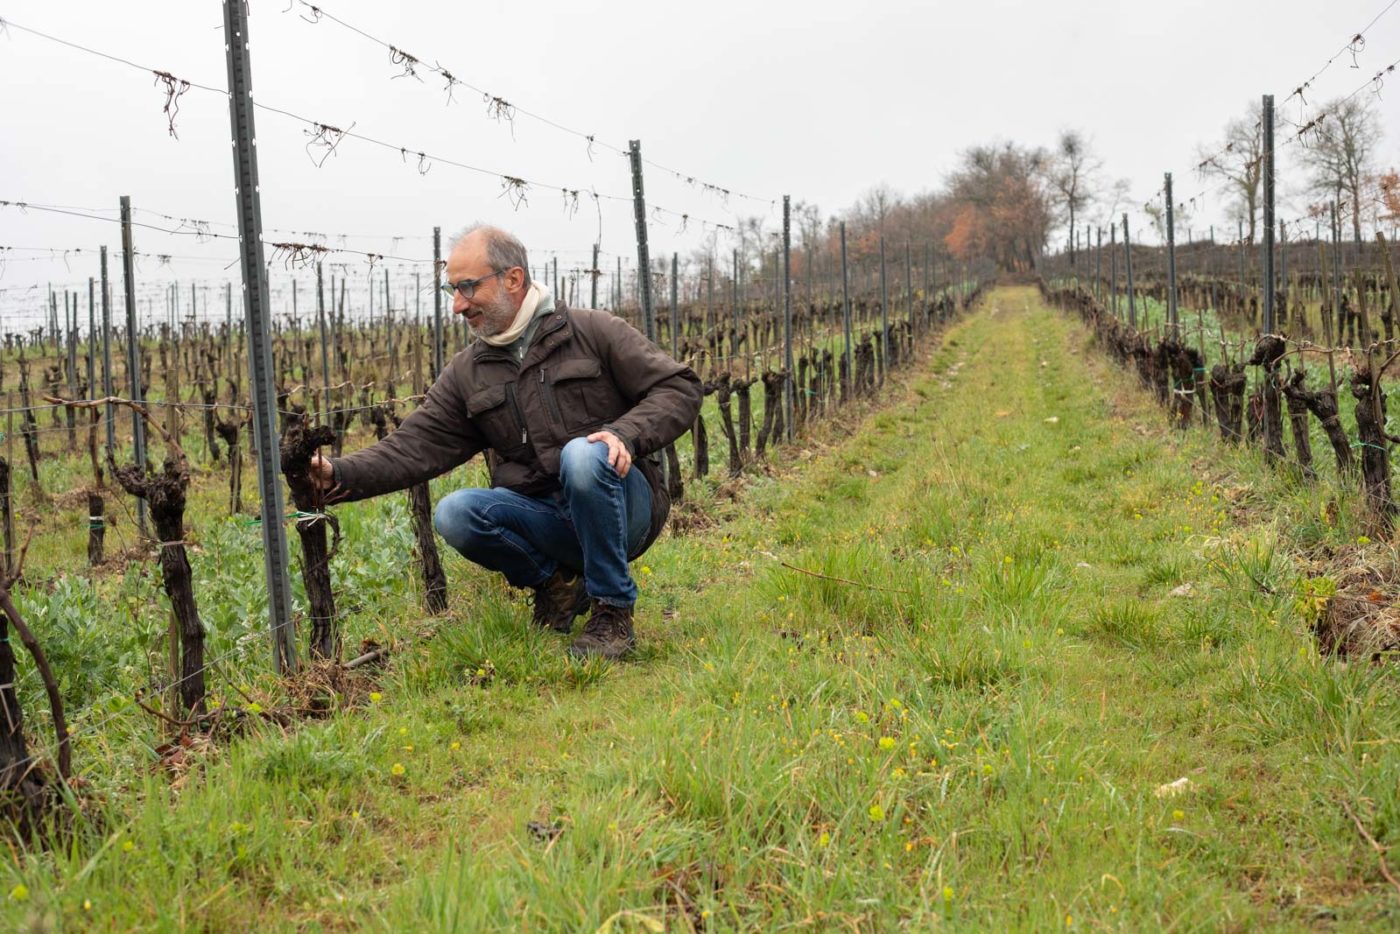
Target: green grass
(970,727)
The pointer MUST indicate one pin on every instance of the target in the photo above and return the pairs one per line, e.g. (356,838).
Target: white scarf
(521,321)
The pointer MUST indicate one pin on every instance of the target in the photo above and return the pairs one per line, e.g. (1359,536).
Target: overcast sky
(819,100)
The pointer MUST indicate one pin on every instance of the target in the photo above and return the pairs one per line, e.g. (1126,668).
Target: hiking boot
(558,600)
(608,633)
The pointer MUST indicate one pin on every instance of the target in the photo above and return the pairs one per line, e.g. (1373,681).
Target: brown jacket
(584,371)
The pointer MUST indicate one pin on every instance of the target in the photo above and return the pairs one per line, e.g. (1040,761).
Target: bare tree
(1073,172)
(1340,153)
(750,238)
(1156,212)
(1239,160)
(808,219)
(875,206)
(1112,200)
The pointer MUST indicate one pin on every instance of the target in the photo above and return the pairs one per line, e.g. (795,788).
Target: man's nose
(459,304)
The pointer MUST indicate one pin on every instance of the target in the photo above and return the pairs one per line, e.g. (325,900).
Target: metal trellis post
(1268,246)
(593,273)
(107,357)
(675,306)
(437,303)
(1128,254)
(846,312)
(790,377)
(639,207)
(1171,264)
(256,311)
(133,352)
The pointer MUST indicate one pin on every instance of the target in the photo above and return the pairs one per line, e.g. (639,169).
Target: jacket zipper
(519,415)
(547,389)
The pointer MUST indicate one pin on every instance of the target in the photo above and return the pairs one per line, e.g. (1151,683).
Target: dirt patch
(690,516)
(325,686)
(1362,619)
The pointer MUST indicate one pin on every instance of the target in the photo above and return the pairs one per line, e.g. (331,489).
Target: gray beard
(500,314)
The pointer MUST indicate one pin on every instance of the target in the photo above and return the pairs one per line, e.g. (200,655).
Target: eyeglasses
(467,287)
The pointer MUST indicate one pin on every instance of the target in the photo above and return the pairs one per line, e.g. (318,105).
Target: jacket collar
(554,329)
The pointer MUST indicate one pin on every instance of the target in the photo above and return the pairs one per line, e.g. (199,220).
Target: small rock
(1185,590)
(1172,789)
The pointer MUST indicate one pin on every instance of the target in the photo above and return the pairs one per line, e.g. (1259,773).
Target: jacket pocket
(576,393)
(496,420)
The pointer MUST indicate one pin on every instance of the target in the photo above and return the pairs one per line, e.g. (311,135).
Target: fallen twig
(1380,850)
(828,577)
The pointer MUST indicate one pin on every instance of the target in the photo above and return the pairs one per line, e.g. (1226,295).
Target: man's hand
(321,473)
(618,457)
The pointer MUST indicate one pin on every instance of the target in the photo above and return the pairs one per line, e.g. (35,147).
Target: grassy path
(1038,612)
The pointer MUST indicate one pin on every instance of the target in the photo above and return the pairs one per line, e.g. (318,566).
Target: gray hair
(503,249)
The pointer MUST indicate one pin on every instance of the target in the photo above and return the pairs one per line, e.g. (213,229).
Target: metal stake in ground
(256,311)
(1113,267)
(325,348)
(789,369)
(908,291)
(437,304)
(675,307)
(1098,265)
(1339,314)
(1171,265)
(1244,289)
(1128,254)
(639,208)
(884,316)
(133,353)
(593,273)
(107,358)
(1268,248)
(846,317)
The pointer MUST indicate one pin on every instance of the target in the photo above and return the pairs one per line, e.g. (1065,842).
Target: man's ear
(515,278)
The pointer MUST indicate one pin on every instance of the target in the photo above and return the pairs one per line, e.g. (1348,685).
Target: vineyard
(1019,572)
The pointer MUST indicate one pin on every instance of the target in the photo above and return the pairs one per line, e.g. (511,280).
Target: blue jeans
(590,525)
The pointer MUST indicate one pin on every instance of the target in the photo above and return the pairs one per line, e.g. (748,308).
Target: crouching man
(573,402)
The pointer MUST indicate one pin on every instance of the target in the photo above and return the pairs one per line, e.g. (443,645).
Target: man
(573,402)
